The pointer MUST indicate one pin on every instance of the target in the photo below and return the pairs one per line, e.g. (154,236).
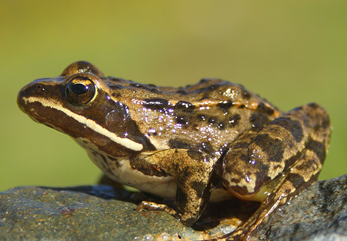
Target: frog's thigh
(307,145)
(193,171)
(255,159)
(303,172)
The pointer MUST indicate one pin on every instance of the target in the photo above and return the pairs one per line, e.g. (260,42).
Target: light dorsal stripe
(89,123)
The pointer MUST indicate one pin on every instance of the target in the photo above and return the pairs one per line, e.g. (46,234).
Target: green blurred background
(289,52)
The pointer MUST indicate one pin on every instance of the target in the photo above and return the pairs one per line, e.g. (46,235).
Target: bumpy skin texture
(201,143)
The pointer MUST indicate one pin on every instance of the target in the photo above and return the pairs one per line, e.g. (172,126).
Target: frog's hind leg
(287,185)
(276,163)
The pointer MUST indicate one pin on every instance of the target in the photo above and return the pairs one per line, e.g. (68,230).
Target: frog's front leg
(277,162)
(193,171)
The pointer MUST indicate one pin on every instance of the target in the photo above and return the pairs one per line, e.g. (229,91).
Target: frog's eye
(80,91)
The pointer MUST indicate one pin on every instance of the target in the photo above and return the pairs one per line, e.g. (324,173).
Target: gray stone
(108,213)
(318,213)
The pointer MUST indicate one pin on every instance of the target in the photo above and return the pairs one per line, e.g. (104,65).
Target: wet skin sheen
(201,143)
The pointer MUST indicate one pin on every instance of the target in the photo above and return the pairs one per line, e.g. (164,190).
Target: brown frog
(202,143)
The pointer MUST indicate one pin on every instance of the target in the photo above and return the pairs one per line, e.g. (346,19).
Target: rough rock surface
(108,213)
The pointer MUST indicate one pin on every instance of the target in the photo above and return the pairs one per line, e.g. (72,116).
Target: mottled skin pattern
(201,143)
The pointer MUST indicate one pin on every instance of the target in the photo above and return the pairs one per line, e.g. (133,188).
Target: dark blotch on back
(246,95)
(184,106)
(212,120)
(181,91)
(213,87)
(263,108)
(182,120)
(149,87)
(137,85)
(204,80)
(156,104)
(293,126)
(201,117)
(225,105)
(233,121)
(221,126)
(259,119)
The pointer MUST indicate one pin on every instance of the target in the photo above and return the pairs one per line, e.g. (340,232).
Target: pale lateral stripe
(89,123)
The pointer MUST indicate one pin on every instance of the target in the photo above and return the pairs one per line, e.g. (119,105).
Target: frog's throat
(87,122)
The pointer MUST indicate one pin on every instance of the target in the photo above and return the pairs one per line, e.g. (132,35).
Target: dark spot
(293,126)
(204,80)
(156,104)
(181,120)
(213,87)
(246,94)
(263,108)
(221,126)
(307,165)
(273,147)
(241,106)
(234,120)
(212,120)
(181,91)
(318,148)
(154,90)
(137,85)
(201,117)
(184,105)
(296,179)
(225,105)
(259,119)
(314,106)
(152,85)
(179,144)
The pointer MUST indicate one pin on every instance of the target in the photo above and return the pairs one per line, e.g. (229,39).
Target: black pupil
(79,89)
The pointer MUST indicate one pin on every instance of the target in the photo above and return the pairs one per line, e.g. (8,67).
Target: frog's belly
(120,171)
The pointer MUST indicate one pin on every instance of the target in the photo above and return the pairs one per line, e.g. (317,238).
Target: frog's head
(80,104)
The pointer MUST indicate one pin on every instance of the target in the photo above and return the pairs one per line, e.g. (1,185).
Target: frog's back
(205,116)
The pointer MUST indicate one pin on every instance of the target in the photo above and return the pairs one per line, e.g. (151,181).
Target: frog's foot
(152,206)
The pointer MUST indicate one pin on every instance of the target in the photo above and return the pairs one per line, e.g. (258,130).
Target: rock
(318,213)
(108,213)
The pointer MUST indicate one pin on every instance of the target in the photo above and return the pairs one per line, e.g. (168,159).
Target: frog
(193,145)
